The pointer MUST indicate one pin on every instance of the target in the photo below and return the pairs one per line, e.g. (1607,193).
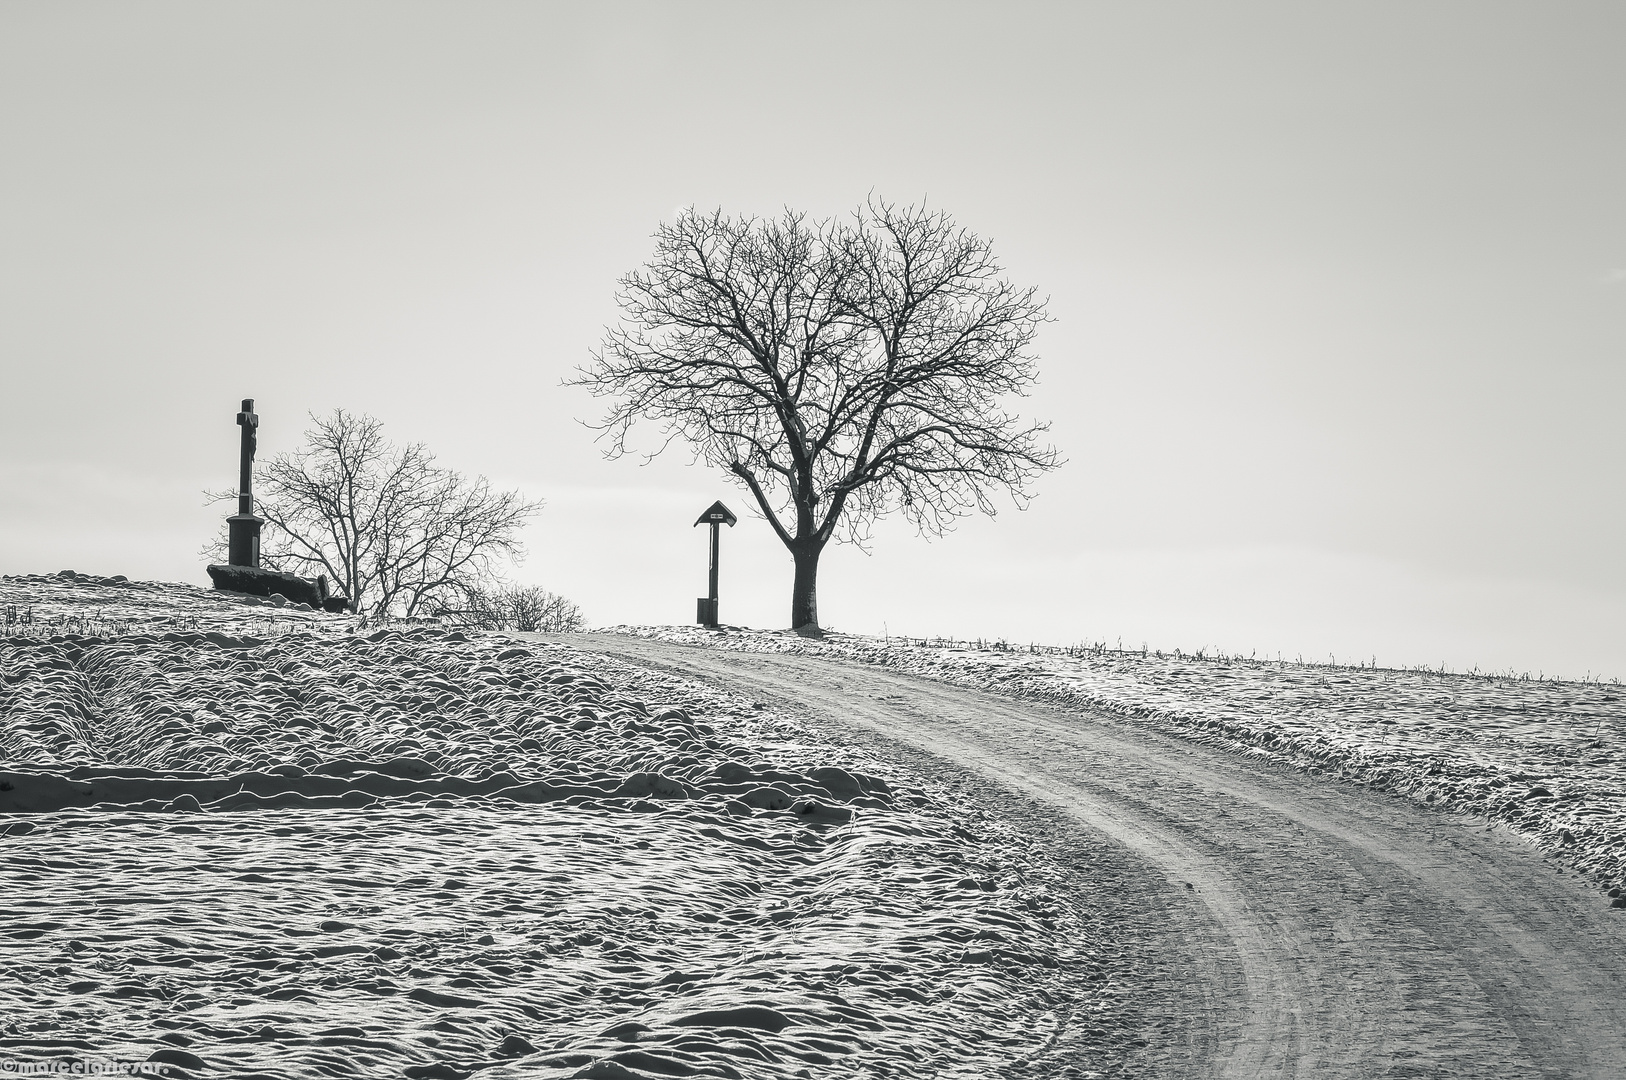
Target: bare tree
(387,525)
(840,370)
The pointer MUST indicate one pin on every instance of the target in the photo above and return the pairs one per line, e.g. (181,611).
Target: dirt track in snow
(1306,928)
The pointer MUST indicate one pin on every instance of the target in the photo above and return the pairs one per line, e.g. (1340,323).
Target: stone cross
(243,537)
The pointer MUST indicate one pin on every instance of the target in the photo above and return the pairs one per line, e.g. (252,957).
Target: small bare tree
(540,610)
(840,370)
(387,525)
(515,607)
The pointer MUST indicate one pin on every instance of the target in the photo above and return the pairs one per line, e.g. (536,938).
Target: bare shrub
(513,607)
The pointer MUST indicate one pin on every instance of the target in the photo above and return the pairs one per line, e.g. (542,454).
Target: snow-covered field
(1545,758)
(251,840)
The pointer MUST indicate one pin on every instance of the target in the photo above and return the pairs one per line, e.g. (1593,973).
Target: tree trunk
(804,595)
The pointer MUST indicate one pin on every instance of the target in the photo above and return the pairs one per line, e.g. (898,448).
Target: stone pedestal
(243,540)
(258,582)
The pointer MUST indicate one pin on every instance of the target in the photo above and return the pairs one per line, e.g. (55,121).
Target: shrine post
(716,516)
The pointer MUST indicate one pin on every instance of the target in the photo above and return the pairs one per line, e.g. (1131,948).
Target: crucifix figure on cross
(250,423)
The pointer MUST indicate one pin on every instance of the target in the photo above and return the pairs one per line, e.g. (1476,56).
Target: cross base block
(243,540)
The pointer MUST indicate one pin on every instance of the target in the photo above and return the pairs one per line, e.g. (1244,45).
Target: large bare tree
(386,524)
(840,370)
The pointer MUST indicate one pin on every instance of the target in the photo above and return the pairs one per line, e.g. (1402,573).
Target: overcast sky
(1339,358)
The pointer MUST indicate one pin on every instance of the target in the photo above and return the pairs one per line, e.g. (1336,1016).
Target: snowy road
(1309,928)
